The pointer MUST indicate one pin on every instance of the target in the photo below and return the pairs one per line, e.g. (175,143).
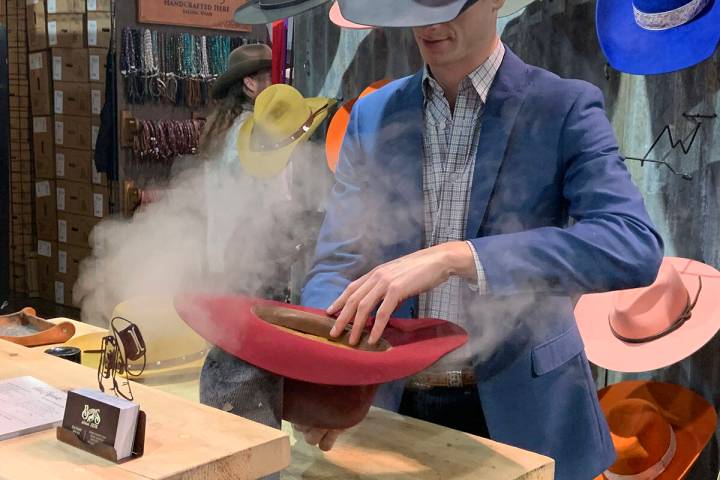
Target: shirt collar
(481,78)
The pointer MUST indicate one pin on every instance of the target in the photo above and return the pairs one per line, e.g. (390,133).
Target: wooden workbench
(387,446)
(184,440)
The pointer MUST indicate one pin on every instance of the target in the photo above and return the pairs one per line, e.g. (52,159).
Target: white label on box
(98,204)
(35,60)
(59,292)
(60,198)
(96,102)
(52,33)
(59,102)
(42,189)
(40,125)
(59,128)
(52,6)
(60,164)
(62,261)
(94,67)
(62,231)
(91,5)
(96,177)
(57,68)
(95,132)
(44,248)
(92,33)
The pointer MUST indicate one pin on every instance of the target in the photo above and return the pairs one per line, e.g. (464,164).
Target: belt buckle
(455,378)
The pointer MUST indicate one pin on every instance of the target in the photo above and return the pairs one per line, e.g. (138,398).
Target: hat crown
(280,110)
(642,436)
(247,53)
(644,312)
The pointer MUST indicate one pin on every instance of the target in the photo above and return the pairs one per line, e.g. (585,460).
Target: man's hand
(393,282)
(323,438)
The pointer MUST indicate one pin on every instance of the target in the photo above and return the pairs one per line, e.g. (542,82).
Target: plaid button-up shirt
(450,144)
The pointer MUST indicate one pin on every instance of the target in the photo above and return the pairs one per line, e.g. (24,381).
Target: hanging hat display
(658,429)
(282,119)
(328,382)
(337,18)
(258,12)
(646,37)
(643,329)
(339,123)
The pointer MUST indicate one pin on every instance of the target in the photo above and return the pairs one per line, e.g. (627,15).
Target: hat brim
(399,13)
(632,49)
(252,14)
(605,350)
(269,163)
(236,73)
(337,18)
(230,323)
(513,6)
(691,416)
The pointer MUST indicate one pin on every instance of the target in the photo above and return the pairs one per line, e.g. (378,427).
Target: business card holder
(106,451)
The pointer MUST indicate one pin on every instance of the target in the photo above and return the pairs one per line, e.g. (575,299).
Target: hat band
(684,316)
(671,18)
(655,470)
(296,135)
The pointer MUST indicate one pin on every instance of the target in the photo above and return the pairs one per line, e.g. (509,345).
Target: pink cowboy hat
(337,18)
(643,329)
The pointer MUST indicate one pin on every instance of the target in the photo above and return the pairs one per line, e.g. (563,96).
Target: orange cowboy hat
(642,329)
(658,429)
(339,123)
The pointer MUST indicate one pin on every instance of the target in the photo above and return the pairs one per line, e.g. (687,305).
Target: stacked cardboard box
(21,227)
(68,91)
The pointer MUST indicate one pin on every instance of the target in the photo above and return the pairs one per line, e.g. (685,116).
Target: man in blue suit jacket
(551,213)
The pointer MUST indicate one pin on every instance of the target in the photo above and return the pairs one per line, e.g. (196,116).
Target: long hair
(230,107)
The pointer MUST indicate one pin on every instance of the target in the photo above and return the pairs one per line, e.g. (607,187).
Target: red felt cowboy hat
(339,123)
(643,329)
(328,383)
(658,429)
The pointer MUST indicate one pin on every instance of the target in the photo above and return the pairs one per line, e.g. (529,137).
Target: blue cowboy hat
(647,37)
(402,13)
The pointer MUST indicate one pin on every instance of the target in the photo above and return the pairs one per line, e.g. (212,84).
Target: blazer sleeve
(611,245)
(342,253)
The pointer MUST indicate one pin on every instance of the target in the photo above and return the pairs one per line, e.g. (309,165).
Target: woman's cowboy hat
(337,18)
(643,329)
(172,348)
(243,61)
(339,123)
(328,383)
(256,12)
(282,119)
(658,429)
(646,37)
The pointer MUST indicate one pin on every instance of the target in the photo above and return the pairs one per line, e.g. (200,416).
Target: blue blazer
(553,214)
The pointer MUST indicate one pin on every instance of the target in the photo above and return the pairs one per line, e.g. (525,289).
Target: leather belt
(450,379)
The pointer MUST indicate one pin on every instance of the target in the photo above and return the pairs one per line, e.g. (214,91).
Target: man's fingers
(382,317)
(366,305)
(329,439)
(340,302)
(313,436)
(350,307)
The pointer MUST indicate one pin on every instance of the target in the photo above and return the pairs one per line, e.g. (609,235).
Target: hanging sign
(215,14)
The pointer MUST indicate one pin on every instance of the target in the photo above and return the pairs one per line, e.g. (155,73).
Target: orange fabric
(339,123)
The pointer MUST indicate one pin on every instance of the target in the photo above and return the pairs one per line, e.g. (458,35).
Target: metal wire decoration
(125,345)
(698,118)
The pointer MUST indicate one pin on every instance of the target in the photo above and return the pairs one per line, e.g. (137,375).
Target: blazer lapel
(498,118)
